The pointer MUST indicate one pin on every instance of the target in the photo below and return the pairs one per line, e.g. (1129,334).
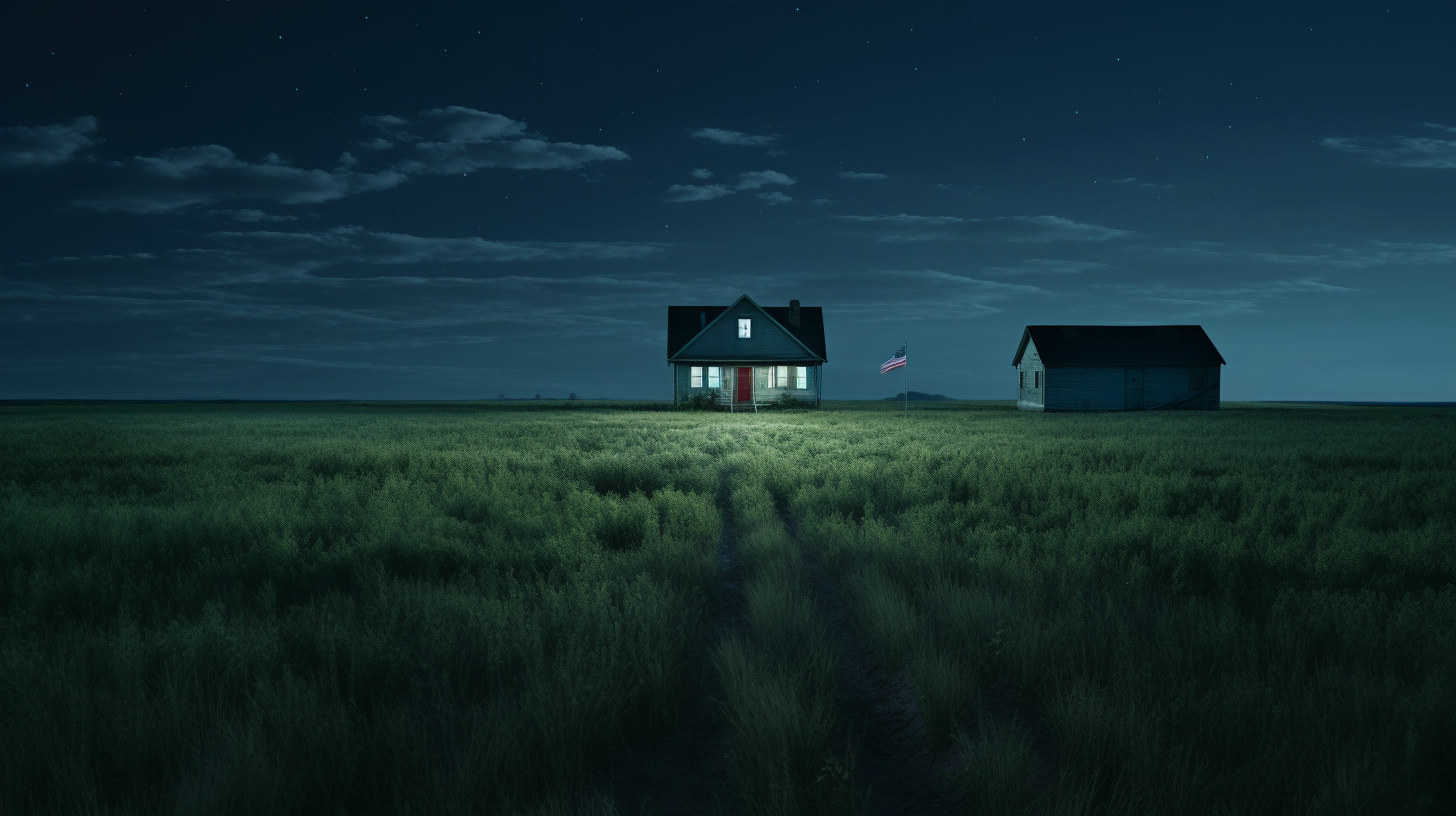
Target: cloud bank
(47,145)
(440,141)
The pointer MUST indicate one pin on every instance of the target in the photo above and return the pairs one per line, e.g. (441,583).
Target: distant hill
(918,396)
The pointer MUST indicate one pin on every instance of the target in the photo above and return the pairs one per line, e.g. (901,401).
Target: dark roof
(1120,346)
(683,324)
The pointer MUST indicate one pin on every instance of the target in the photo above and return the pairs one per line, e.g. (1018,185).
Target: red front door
(745,385)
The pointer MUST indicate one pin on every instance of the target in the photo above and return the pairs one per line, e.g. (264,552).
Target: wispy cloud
(851,174)
(1046,266)
(733,137)
(753,180)
(1399,151)
(46,145)
(899,295)
(1372,254)
(456,139)
(1241,299)
(1037,229)
(190,176)
(760,178)
(702,192)
(702,173)
(250,216)
(314,250)
(441,140)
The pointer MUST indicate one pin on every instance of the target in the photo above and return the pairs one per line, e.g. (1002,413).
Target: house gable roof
(686,324)
(1120,346)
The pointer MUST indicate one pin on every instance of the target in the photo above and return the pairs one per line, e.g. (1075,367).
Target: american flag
(894,362)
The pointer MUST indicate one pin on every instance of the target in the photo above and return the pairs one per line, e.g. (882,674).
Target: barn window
(697,377)
(1038,380)
(745,327)
(1197,379)
(715,377)
(802,380)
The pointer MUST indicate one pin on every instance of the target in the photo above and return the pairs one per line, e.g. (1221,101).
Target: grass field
(475,608)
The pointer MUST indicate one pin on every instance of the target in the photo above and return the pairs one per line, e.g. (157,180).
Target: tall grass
(301,609)
(1245,612)
(456,610)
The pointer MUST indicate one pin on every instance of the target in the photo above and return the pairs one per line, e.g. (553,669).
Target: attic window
(745,327)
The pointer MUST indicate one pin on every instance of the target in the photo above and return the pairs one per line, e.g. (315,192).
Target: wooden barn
(746,355)
(1117,368)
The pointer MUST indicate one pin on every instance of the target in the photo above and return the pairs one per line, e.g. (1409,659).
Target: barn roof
(685,322)
(1120,346)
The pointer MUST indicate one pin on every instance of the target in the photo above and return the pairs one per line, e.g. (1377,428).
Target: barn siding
(1085,388)
(1028,396)
(683,378)
(1089,388)
(721,340)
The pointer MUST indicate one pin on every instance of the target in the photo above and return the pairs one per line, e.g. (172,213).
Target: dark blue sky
(232,199)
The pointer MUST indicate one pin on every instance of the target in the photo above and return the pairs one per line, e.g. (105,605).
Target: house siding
(720,341)
(682,383)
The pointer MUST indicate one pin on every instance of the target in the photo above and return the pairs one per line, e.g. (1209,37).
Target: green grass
(469,608)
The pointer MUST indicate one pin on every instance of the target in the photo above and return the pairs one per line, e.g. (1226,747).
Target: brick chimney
(794,313)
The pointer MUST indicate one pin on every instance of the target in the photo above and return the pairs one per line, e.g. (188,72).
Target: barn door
(745,385)
(1134,389)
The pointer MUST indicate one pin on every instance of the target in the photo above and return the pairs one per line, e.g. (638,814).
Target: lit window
(697,379)
(745,327)
(802,381)
(781,376)
(715,377)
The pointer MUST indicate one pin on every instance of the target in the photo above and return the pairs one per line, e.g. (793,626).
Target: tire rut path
(687,771)
(895,767)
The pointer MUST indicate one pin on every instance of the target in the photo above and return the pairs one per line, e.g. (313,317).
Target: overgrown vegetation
(466,609)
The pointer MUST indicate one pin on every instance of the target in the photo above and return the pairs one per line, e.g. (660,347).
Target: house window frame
(1021,379)
(801,378)
(695,376)
(781,376)
(1039,380)
(715,377)
(745,328)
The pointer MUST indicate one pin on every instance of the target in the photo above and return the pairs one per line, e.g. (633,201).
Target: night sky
(314,200)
